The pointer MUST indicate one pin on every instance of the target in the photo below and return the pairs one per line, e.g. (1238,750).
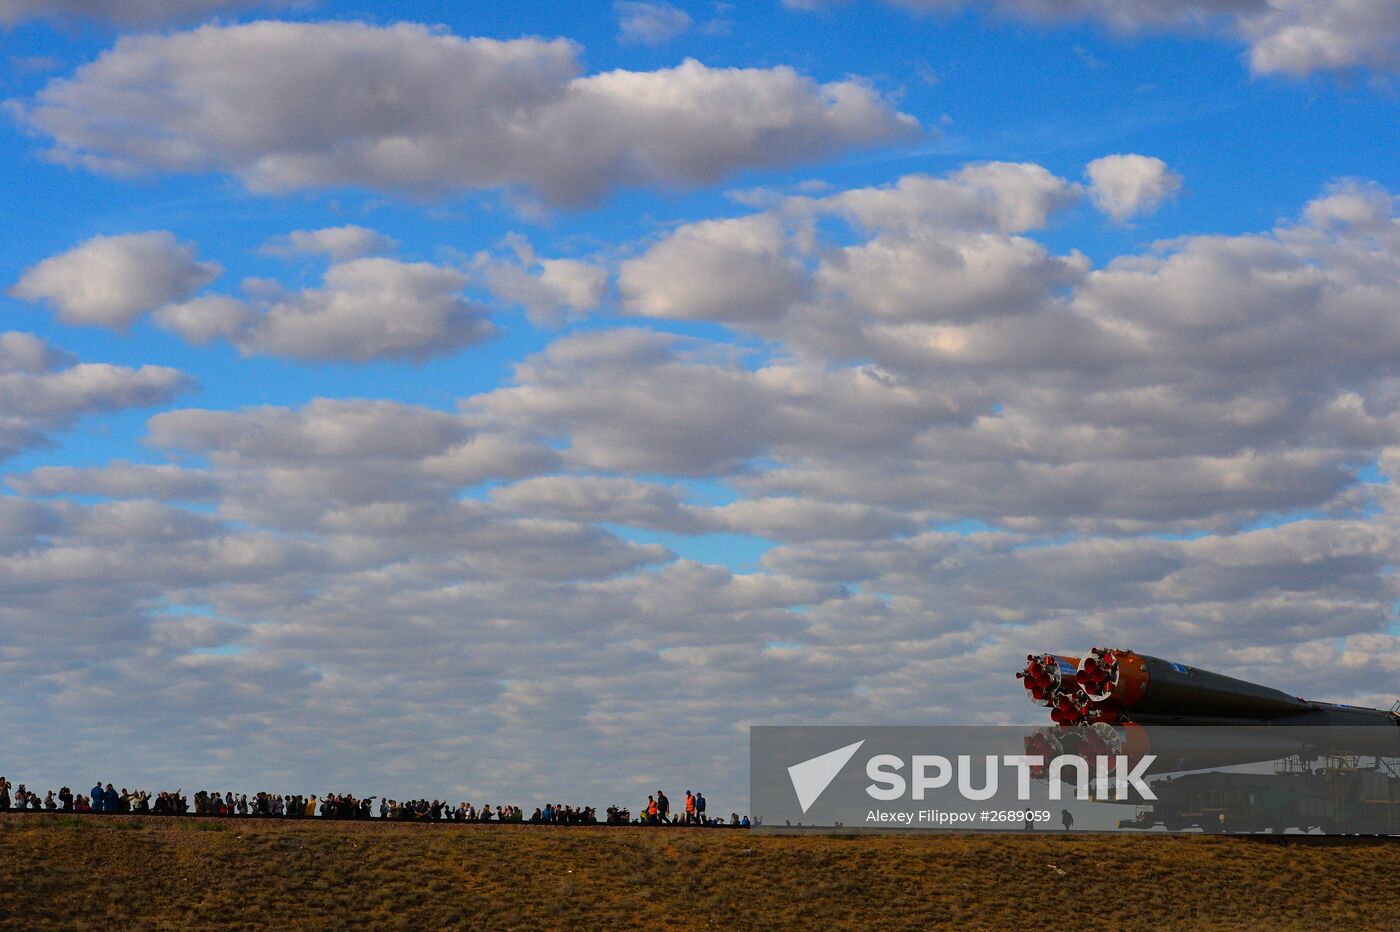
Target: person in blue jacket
(109,799)
(99,799)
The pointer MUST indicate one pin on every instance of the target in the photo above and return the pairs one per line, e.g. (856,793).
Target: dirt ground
(95,872)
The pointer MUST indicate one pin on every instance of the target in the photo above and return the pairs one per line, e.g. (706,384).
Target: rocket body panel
(1174,688)
(1327,713)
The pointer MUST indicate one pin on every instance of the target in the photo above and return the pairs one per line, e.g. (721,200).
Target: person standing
(689,807)
(700,807)
(99,799)
(663,807)
(1066,819)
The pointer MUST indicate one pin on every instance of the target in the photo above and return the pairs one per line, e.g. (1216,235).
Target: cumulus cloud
(1010,197)
(339,243)
(1164,388)
(1353,205)
(123,12)
(936,248)
(716,270)
(365,310)
(25,352)
(109,281)
(639,401)
(659,507)
(649,23)
(801,519)
(489,456)
(323,430)
(599,498)
(1296,37)
(66,393)
(120,481)
(935,275)
(1124,186)
(286,106)
(209,318)
(45,390)
(549,289)
(1299,37)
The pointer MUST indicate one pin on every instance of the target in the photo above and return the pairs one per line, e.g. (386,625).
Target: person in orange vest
(652,810)
(689,807)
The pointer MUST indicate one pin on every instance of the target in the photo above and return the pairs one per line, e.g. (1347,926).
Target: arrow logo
(811,777)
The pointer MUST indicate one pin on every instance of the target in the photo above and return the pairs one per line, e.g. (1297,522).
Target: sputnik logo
(811,777)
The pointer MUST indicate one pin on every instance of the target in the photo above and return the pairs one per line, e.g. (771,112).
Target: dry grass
(91,872)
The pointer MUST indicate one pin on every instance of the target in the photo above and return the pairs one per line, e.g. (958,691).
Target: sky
(515,402)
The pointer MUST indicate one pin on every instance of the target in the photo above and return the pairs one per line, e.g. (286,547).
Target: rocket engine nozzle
(1098,673)
(1049,681)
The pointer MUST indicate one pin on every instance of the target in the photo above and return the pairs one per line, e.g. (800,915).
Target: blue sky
(808,432)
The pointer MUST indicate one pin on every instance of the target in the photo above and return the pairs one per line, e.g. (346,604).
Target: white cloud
(637,401)
(1165,387)
(658,507)
(1296,37)
(324,430)
(1010,197)
(649,23)
(1124,186)
(63,394)
(715,270)
(25,352)
(373,309)
(490,456)
(937,249)
(119,480)
(109,281)
(44,390)
(1299,37)
(339,243)
(599,498)
(366,309)
(934,275)
(799,519)
(206,319)
(123,12)
(1354,205)
(548,289)
(286,106)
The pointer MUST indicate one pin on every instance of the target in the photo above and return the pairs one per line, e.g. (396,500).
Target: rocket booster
(1120,686)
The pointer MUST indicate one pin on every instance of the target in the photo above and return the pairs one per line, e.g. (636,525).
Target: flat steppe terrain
(119,872)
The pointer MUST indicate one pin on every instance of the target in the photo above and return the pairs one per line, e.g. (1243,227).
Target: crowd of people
(105,798)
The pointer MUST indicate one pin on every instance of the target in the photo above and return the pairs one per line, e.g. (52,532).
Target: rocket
(1115,686)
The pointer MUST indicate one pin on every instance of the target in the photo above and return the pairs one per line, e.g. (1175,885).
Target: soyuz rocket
(1123,687)
(1114,701)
